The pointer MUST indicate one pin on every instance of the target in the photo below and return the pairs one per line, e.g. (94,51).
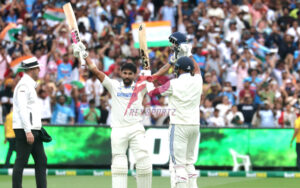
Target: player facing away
(127,129)
(184,94)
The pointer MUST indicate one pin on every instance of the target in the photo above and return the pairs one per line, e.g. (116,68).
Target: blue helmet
(177,38)
(184,63)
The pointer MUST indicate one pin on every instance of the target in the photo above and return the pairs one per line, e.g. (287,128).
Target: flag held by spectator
(54,14)
(15,64)
(9,31)
(157,34)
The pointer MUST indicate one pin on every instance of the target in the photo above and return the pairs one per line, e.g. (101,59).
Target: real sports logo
(152,111)
(141,84)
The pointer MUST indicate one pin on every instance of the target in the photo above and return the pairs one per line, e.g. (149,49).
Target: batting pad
(119,170)
(192,174)
(144,173)
(179,176)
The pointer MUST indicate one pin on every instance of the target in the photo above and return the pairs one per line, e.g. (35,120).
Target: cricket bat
(71,20)
(143,47)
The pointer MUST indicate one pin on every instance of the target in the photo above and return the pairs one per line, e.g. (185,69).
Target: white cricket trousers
(134,137)
(183,139)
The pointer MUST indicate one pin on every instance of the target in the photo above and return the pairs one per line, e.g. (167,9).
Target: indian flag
(54,14)
(157,33)
(9,31)
(15,64)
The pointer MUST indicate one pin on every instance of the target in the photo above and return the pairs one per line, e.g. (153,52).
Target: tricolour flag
(15,64)
(54,14)
(9,31)
(157,33)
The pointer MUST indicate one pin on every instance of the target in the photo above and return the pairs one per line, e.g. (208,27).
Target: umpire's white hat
(30,63)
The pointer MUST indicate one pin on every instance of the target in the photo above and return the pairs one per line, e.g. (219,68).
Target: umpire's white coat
(27,111)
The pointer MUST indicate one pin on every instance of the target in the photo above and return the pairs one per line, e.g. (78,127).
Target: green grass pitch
(158,182)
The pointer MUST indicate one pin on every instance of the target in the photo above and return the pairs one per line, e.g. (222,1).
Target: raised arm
(196,67)
(26,49)
(92,67)
(78,49)
(162,71)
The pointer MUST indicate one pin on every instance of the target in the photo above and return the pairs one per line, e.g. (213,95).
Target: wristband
(91,66)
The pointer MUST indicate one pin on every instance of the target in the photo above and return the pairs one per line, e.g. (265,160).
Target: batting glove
(185,49)
(145,62)
(145,73)
(79,50)
(173,59)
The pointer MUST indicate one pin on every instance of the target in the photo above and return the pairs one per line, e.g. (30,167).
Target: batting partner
(184,95)
(127,128)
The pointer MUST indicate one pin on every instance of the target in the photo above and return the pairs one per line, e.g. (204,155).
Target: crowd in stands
(247,50)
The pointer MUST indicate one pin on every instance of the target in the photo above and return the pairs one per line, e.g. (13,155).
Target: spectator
(81,105)
(5,60)
(104,108)
(234,118)
(213,96)
(6,96)
(37,7)
(213,63)
(108,56)
(229,72)
(248,109)
(215,11)
(232,31)
(266,116)
(216,120)
(284,20)
(225,48)
(207,84)
(278,110)
(203,120)
(132,12)
(64,69)
(227,91)
(266,94)
(45,102)
(62,114)
(167,12)
(207,109)
(10,137)
(12,16)
(288,116)
(91,114)
(242,73)
(94,90)
(199,57)
(224,106)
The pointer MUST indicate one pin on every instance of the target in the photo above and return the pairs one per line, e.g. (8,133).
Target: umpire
(27,125)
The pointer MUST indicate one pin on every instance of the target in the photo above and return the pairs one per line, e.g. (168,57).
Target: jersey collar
(184,74)
(30,81)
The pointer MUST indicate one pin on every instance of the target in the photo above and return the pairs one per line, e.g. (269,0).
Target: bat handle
(82,60)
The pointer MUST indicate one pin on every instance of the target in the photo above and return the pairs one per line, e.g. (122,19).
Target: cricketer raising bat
(143,47)
(71,20)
